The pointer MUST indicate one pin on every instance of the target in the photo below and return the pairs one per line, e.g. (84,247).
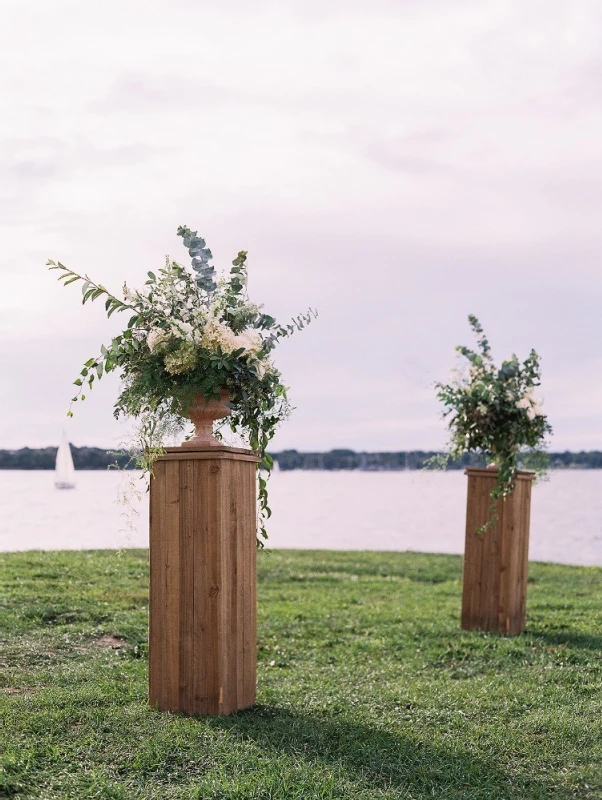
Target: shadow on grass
(570,638)
(376,758)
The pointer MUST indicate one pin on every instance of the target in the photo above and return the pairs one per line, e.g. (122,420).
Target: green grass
(367,686)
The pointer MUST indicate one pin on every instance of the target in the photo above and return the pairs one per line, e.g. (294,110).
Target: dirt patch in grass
(109,642)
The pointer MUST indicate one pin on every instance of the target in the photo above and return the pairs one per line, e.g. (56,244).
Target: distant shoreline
(287,460)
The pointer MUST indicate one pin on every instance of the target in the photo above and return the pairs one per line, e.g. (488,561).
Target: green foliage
(191,335)
(494,412)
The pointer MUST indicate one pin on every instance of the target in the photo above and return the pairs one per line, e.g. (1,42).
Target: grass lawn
(367,686)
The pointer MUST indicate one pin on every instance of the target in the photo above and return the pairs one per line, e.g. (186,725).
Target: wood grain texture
(494,586)
(186,633)
(200,597)
(171,567)
(202,642)
(156,600)
(249,597)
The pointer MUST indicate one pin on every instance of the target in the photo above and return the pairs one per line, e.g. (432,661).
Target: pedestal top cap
(210,451)
(492,472)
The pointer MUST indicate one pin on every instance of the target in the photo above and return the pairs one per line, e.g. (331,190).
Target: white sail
(64,475)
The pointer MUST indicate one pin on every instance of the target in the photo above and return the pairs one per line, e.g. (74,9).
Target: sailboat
(64,473)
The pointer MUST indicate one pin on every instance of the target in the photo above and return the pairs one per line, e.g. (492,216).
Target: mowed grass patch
(367,688)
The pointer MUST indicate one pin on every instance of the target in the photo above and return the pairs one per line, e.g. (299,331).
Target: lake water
(422,511)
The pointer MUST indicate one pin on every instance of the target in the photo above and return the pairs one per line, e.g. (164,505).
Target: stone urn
(203,414)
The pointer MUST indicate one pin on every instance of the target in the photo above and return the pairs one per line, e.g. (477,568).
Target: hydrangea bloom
(251,341)
(182,360)
(156,338)
(216,333)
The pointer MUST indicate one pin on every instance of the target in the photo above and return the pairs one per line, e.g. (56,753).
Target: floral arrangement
(495,412)
(191,333)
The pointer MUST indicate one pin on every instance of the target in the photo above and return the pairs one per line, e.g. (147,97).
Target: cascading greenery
(494,412)
(190,333)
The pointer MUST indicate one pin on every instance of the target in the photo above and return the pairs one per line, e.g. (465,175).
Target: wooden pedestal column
(202,642)
(495,562)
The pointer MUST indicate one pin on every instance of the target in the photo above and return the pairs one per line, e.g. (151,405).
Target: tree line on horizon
(341,459)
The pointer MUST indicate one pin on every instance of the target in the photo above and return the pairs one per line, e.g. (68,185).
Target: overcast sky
(398,165)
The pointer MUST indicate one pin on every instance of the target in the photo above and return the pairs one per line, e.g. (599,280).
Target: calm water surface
(329,510)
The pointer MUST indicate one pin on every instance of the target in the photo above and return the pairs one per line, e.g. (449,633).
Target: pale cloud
(136,93)
(31,161)
(397,164)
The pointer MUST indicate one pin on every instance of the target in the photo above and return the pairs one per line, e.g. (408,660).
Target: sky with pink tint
(398,165)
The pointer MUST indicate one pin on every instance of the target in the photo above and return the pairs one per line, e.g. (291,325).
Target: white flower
(531,404)
(183,330)
(250,339)
(128,295)
(156,338)
(217,333)
(263,366)
(457,375)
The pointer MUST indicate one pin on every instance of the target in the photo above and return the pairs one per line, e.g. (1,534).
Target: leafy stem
(90,290)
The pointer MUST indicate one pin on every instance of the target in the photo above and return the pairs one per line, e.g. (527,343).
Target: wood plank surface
(483,610)
(187,529)
(203,627)
(212,588)
(171,536)
(156,583)
(506,565)
(238,507)
(496,561)
(200,597)
(222,487)
(249,593)
(525,526)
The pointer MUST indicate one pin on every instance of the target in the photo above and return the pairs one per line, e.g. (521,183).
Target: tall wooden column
(494,587)
(202,642)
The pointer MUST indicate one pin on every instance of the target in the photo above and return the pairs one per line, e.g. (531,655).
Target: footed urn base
(203,415)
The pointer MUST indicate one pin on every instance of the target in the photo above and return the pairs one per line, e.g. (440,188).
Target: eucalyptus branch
(283,331)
